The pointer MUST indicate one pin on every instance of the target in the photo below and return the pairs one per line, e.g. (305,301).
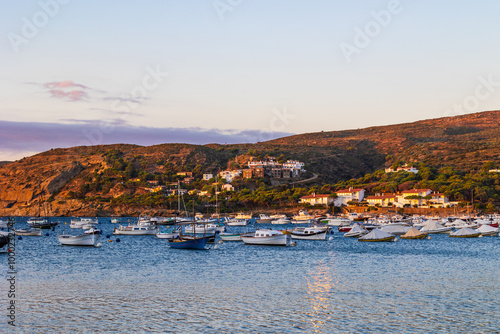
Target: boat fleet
(198,232)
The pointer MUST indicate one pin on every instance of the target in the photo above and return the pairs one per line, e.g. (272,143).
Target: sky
(90,72)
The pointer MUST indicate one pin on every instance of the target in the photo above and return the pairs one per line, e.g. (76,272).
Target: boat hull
(134,232)
(422,236)
(78,240)
(196,243)
(35,233)
(230,237)
(308,236)
(275,240)
(391,238)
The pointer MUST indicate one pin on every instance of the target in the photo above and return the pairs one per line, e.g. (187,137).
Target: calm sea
(140,285)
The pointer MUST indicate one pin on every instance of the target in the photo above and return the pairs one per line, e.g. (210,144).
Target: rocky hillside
(49,183)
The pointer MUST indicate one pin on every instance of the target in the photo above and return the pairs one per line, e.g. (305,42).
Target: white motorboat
(336,221)
(230,236)
(237,222)
(303,215)
(37,232)
(434,227)
(280,221)
(84,223)
(265,238)
(78,240)
(487,230)
(356,231)
(134,230)
(93,230)
(115,220)
(278,216)
(309,233)
(264,219)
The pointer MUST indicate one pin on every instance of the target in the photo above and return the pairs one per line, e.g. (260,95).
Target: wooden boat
(44,223)
(230,236)
(29,232)
(309,233)
(78,240)
(189,241)
(265,238)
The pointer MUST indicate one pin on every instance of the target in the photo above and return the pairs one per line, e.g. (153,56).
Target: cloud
(72,95)
(18,138)
(63,84)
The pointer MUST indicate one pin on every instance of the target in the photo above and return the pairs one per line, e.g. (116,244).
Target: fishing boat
(143,227)
(226,236)
(310,233)
(377,236)
(83,223)
(237,222)
(78,240)
(465,232)
(265,238)
(414,233)
(188,242)
(171,233)
(38,222)
(29,232)
(93,230)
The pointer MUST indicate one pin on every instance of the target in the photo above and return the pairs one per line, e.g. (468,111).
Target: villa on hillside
(317,199)
(418,198)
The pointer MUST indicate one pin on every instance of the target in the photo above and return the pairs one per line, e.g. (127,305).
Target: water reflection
(320,287)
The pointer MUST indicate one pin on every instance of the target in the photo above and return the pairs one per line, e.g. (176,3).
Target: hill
(85,180)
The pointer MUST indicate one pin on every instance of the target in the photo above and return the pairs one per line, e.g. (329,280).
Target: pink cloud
(73,95)
(63,84)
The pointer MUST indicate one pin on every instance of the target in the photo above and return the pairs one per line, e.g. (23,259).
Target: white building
(404,168)
(228,187)
(314,199)
(347,195)
(207,177)
(230,175)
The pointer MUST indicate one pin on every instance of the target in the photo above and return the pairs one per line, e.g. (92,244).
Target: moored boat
(414,233)
(38,222)
(78,240)
(265,238)
(280,221)
(465,232)
(226,236)
(488,230)
(377,236)
(310,233)
(29,232)
(356,231)
(434,227)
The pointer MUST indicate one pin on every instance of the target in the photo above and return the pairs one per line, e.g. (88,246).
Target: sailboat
(187,241)
(41,222)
